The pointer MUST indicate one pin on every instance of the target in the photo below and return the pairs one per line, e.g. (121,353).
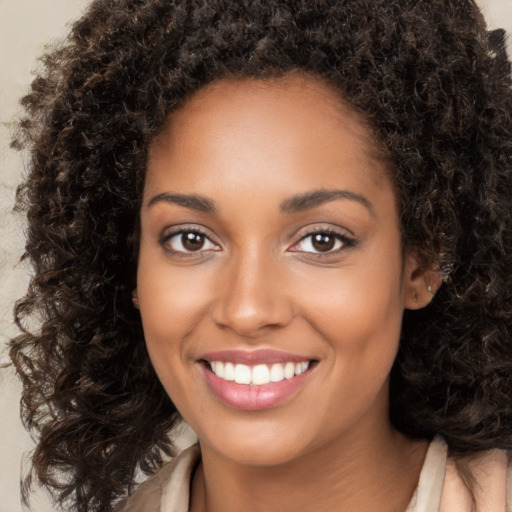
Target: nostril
(248,318)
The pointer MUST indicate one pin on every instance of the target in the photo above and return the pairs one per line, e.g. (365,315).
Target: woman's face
(270,246)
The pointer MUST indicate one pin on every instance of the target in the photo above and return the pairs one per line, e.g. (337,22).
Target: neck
(354,473)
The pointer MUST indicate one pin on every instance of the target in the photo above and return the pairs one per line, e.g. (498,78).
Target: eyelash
(346,242)
(166,237)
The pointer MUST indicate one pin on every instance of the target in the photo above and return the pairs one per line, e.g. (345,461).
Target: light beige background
(25,27)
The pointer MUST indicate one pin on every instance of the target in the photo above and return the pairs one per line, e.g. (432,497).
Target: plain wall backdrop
(26,26)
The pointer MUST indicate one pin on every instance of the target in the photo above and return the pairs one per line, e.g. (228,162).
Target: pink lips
(249,397)
(253,357)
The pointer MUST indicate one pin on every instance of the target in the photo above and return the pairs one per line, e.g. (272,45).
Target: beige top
(440,487)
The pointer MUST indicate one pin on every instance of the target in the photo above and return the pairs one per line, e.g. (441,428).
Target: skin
(248,146)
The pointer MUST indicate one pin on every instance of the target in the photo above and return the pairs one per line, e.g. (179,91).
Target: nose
(251,296)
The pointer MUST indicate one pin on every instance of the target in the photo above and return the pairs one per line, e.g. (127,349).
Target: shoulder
(478,483)
(481,482)
(170,485)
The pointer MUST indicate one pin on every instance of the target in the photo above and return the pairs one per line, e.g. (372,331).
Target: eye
(322,242)
(188,241)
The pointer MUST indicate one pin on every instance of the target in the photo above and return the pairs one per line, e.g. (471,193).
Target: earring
(429,289)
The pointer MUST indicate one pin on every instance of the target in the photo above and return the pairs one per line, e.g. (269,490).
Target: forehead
(264,126)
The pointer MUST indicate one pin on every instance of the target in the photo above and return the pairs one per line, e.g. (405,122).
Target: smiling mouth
(257,380)
(259,374)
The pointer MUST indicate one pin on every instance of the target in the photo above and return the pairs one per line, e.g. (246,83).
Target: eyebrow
(191,201)
(294,204)
(316,198)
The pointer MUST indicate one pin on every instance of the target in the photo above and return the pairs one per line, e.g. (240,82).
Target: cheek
(169,311)
(172,302)
(361,299)
(172,297)
(358,311)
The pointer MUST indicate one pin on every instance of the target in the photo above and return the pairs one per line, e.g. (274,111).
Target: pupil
(192,241)
(323,242)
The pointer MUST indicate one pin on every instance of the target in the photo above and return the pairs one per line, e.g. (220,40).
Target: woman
(288,223)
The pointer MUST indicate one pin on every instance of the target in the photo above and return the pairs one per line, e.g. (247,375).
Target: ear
(421,282)
(135,299)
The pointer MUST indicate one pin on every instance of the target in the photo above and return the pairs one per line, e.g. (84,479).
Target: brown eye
(188,242)
(192,241)
(323,242)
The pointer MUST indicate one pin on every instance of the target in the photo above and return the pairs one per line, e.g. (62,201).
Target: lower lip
(254,398)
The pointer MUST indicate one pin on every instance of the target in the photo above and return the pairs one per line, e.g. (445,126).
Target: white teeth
(218,368)
(301,367)
(229,371)
(289,370)
(276,372)
(259,374)
(242,374)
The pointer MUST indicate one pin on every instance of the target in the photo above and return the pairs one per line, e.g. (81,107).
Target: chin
(257,446)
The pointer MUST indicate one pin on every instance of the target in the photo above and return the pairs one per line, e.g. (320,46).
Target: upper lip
(254,357)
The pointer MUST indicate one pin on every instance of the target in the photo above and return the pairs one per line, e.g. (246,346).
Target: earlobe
(135,299)
(420,283)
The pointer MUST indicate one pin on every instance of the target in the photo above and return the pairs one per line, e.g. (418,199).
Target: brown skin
(257,283)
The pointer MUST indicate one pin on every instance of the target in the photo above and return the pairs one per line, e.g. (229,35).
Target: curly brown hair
(438,95)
